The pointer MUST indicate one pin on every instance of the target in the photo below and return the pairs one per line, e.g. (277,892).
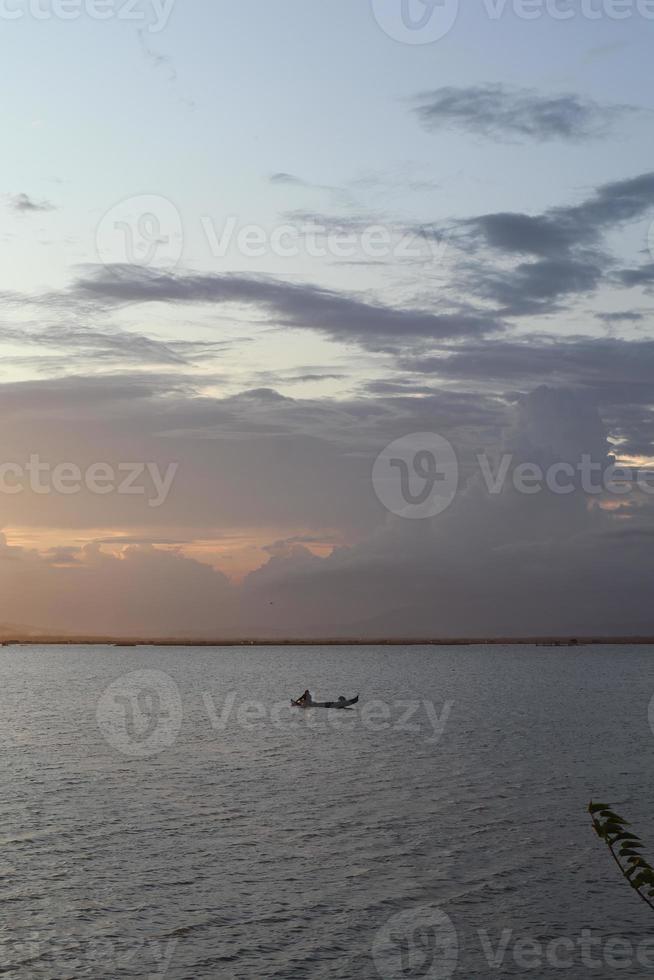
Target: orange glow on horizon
(235,553)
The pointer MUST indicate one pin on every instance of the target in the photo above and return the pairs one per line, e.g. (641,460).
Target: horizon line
(569,640)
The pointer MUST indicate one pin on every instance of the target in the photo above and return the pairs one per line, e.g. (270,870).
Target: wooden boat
(341,703)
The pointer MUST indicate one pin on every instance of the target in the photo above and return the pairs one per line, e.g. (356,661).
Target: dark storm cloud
(503,113)
(341,315)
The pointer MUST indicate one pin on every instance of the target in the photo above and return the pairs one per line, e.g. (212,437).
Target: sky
(327,319)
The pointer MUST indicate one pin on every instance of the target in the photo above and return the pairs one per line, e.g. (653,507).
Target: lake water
(157,824)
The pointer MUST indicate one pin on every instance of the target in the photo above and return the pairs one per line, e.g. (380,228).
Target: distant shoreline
(549,641)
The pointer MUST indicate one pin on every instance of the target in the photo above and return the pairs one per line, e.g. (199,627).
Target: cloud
(82,590)
(505,265)
(600,363)
(542,235)
(25,204)
(533,288)
(621,316)
(284,178)
(601,51)
(566,244)
(502,113)
(67,347)
(505,564)
(314,375)
(643,276)
(342,316)
(251,460)
(566,228)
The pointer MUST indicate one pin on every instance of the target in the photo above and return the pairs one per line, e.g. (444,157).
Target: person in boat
(305,699)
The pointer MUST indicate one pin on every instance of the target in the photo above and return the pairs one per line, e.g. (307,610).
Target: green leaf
(624,846)
(621,836)
(644,878)
(638,867)
(610,815)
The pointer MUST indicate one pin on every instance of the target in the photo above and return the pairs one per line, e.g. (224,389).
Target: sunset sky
(252,244)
